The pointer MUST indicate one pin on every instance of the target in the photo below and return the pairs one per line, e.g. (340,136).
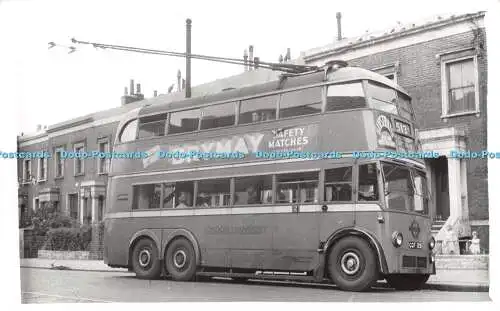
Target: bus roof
(340,75)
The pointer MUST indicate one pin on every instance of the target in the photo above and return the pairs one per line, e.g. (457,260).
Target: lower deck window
(297,188)
(147,196)
(213,193)
(253,190)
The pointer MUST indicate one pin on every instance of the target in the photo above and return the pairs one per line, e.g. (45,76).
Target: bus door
(296,221)
(251,223)
(368,198)
(339,198)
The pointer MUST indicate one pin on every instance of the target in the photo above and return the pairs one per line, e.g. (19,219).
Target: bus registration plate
(415,245)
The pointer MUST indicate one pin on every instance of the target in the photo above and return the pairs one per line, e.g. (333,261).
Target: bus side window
(146,196)
(184,121)
(338,184)
(168,196)
(184,194)
(213,193)
(253,190)
(258,109)
(299,103)
(152,126)
(368,186)
(297,187)
(345,96)
(129,132)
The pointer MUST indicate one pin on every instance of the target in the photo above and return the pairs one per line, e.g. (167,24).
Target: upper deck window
(184,121)
(129,132)
(301,102)
(218,116)
(152,126)
(258,109)
(345,96)
(382,97)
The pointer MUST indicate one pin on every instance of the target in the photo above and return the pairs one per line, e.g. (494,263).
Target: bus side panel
(116,241)
(295,241)
(251,239)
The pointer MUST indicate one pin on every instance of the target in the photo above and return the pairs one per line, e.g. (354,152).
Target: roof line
(390,36)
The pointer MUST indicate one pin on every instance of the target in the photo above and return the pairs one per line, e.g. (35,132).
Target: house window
(460,86)
(59,163)
(79,161)
(26,170)
(103,162)
(42,169)
(73,205)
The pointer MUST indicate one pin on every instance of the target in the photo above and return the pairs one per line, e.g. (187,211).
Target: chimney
(339,26)
(250,56)
(131,87)
(131,97)
(188,58)
(155,93)
(178,80)
(38,127)
(245,59)
(256,63)
(280,59)
(288,56)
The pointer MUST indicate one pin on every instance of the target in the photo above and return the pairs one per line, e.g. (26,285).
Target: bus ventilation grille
(414,262)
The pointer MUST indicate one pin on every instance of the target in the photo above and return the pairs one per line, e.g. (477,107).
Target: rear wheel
(145,260)
(180,260)
(352,264)
(407,281)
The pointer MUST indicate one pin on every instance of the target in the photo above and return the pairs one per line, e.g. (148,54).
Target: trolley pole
(188,58)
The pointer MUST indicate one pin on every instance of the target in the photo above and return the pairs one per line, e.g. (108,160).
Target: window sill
(59,177)
(102,173)
(42,180)
(460,114)
(79,174)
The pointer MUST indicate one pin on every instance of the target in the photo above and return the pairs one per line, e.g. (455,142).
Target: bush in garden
(68,239)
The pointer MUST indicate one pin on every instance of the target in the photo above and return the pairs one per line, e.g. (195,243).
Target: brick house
(441,62)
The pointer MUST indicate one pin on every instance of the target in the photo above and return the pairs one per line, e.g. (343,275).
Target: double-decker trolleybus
(291,179)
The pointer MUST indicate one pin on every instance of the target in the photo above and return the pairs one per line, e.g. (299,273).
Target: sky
(48,86)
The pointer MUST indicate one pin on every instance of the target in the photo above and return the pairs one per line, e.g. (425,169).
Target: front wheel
(352,264)
(407,281)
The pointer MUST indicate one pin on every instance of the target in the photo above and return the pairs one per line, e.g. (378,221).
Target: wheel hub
(144,258)
(180,259)
(350,263)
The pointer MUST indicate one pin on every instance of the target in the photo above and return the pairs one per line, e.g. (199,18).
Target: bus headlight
(397,239)
(432,243)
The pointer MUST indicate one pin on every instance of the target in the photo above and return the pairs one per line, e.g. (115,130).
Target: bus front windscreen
(387,99)
(405,189)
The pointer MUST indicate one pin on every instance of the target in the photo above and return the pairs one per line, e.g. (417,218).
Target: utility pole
(188,58)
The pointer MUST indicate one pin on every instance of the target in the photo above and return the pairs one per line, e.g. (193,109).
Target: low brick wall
(64,255)
(462,262)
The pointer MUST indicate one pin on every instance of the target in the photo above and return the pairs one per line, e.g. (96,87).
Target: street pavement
(60,286)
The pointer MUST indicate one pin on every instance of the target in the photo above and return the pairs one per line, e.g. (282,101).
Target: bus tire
(145,260)
(407,281)
(180,260)
(352,264)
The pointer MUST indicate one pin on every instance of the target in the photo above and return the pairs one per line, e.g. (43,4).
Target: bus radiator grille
(414,262)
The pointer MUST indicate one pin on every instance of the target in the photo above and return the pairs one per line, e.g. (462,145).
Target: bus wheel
(145,262)
(352,265)
(180,260)
(407,281)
